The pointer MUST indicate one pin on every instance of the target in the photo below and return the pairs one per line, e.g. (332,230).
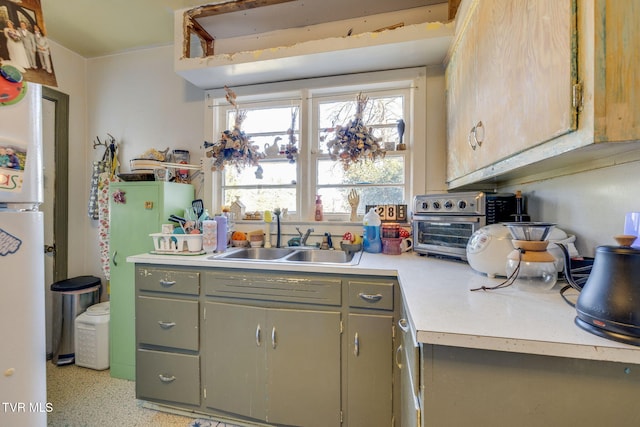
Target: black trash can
(70,299)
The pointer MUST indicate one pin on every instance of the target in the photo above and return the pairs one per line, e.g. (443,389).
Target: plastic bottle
(222,233)
(371,236)
(319,211)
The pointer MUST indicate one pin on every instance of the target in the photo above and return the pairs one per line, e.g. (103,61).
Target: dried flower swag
(355,141)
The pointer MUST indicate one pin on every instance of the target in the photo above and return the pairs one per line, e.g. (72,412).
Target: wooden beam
(231,6)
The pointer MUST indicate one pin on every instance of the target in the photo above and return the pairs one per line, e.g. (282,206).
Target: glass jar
(534,268)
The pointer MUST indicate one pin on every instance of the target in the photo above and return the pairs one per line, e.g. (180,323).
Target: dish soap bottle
(319,211)
(371,239)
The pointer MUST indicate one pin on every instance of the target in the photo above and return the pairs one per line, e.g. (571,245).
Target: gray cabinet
(407,360)
(277,365)
(370,353)
(260,346)
(167,335)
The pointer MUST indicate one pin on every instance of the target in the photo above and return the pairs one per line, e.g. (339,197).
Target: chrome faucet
(303,238)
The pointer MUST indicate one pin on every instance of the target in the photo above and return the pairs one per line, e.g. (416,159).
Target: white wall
(592,205)
(143,103)
(70,70)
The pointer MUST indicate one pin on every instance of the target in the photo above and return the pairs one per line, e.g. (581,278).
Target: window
(312,111)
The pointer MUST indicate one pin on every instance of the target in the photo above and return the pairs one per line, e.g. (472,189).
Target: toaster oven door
(445,235)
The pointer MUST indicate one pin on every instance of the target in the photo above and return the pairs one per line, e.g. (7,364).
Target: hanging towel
(98,168)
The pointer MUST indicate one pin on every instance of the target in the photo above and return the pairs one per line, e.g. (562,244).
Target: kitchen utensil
(198,207)
(609,302)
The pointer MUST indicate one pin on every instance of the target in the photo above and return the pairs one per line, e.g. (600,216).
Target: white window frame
(412,80)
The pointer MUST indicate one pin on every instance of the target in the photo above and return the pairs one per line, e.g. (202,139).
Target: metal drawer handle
(273,337)
(113,258)
(403,325)
(258,339)
(356,345)
(167,283)
(398,350)
(166,325)
(167,379)
(370,297)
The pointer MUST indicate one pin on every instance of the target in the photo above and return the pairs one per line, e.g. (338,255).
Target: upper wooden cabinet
(531,84)
(246,41)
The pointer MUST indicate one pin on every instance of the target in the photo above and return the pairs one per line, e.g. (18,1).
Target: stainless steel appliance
(443,223)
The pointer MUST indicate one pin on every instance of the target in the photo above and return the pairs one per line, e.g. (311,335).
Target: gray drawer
(167,322)
(167,280)
(378,295)
(168,377)
(274,287)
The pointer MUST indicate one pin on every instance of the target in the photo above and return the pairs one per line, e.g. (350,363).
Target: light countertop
(444,311)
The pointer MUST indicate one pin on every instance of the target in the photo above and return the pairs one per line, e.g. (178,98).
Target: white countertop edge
(542,348)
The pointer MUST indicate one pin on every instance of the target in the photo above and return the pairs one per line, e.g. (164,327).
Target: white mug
(406,244)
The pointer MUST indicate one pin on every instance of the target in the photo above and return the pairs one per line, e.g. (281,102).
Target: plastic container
(92,337)
(209,235)
(222,233)
(371,235)
(391,245)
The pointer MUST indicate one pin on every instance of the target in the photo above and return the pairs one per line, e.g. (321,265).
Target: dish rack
(174,243)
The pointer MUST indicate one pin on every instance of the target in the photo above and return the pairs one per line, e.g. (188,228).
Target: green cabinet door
(370,370)
(139,211)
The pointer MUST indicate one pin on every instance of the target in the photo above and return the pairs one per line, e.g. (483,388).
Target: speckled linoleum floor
(84,397)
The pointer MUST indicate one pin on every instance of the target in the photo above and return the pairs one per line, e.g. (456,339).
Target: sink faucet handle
(299,232)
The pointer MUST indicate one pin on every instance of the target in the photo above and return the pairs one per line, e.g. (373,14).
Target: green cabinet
(139,211)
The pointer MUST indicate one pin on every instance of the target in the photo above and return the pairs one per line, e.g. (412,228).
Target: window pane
(389,170)
(263,199)
(274,173)
(334,200)
(380,113)
(263,120)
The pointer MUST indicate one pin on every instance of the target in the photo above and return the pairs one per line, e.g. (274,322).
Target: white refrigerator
(23,390)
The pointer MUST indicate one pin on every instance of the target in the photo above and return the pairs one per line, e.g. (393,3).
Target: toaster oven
(443,223)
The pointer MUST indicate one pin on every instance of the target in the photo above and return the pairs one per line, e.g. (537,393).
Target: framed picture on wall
(24,45)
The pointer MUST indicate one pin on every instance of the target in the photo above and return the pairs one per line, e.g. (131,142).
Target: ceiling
(94,28)
(98,27)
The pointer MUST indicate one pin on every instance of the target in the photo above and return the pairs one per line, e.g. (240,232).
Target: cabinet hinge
(204,393)
(393,331)
(577,96)
(204,313)
(341,326)
(341,419)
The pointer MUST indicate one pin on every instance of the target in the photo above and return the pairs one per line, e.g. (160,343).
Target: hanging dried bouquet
(234,147)
(355,141)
